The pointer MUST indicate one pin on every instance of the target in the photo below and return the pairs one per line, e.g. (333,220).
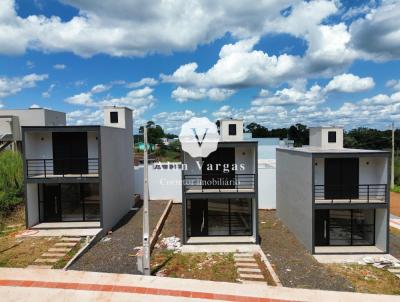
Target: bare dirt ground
(295,266)
(116,254)
(395,203)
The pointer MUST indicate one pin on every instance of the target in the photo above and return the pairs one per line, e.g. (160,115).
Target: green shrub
(11,180)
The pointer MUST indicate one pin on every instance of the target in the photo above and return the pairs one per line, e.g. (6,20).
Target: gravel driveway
(114,255)
(295,266)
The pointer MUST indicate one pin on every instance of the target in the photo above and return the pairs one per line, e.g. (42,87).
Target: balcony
(219,183)
(62,168)
(358,194)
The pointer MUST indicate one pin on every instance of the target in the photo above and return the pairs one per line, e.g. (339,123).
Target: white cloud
(10,86)
(182,94)
(47,93)
(172,121)
(85,117)
(142,82)
(35,106)
(84,98)
(394,84)
(59,66)
(349,83)
(139,100)
(100,88)
(30,64)
(377,35)
(134,28)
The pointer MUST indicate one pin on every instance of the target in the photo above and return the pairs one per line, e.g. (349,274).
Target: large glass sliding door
(69,202)
(219,217)
(345,227)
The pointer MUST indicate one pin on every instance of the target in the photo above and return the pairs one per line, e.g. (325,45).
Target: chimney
(118,117)
(326,137)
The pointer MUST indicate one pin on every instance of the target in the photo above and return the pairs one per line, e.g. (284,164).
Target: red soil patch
(395,203)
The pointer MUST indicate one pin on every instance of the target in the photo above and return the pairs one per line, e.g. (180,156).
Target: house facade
(334,199)
(79,173)
(219,192)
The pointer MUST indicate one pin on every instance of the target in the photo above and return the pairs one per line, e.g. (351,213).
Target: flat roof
(30,109)
(317,150)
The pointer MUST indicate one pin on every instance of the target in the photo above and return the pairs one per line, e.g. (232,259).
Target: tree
(300,134)
(154,132)
(256,130)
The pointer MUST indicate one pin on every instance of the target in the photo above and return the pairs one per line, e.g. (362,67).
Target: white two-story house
(82,175)
(334,199)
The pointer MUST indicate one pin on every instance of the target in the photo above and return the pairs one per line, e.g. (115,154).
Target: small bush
(11,180)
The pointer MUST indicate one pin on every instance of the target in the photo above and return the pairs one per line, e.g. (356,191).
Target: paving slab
(67,244)
(246,264)
(59,249)
(244,259)
(59,255)
(72,239)
(248,270)
(46,260)
(39,266)
(251,276)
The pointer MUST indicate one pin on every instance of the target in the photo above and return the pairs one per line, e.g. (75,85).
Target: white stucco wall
(32,204)
(381,228)
(266,186)
(117,185)
(319,137)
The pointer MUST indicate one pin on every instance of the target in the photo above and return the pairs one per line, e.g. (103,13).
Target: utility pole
(392,174)
(146,227)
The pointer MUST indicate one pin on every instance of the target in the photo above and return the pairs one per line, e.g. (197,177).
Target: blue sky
(274,62)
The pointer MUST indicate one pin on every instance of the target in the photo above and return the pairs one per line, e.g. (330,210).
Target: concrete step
(65,244)
(251,276)
(244,259)
(246,264)
(55,255)
(394,270)
(243,255)
(71,239)
(59,249)
(252,282)
(248,270)
(47,260)
(39,266)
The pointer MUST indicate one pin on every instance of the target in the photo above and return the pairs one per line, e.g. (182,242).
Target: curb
(269,267)
(157,230)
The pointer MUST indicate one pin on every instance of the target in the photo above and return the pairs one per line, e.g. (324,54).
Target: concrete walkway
(57,285)
(395,221)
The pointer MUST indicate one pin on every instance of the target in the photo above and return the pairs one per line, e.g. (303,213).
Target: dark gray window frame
(114,117)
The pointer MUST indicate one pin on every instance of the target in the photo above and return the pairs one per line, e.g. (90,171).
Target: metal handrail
(220,181)
(369,192)
(45,168)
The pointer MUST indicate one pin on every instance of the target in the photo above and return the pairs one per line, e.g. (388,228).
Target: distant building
(11,122)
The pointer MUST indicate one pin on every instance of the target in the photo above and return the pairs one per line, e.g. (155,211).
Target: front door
(70,152)
(52,203)
(341,178)
(217,169)
(321,227)
(199,217)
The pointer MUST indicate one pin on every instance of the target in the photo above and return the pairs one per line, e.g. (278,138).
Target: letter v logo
(197,137)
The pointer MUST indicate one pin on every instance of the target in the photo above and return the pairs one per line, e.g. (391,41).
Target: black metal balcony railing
(368,193)
(66,167)
(219,183)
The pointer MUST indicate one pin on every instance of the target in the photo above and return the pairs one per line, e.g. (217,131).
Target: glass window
(363,227)
(340,227)
(91,200)
(218,217)
(240,218)
(114,117)
(232,129)
(331,136)
(71,205)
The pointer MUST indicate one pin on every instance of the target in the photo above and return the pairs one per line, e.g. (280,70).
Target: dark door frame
(351,228)
(228,200)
